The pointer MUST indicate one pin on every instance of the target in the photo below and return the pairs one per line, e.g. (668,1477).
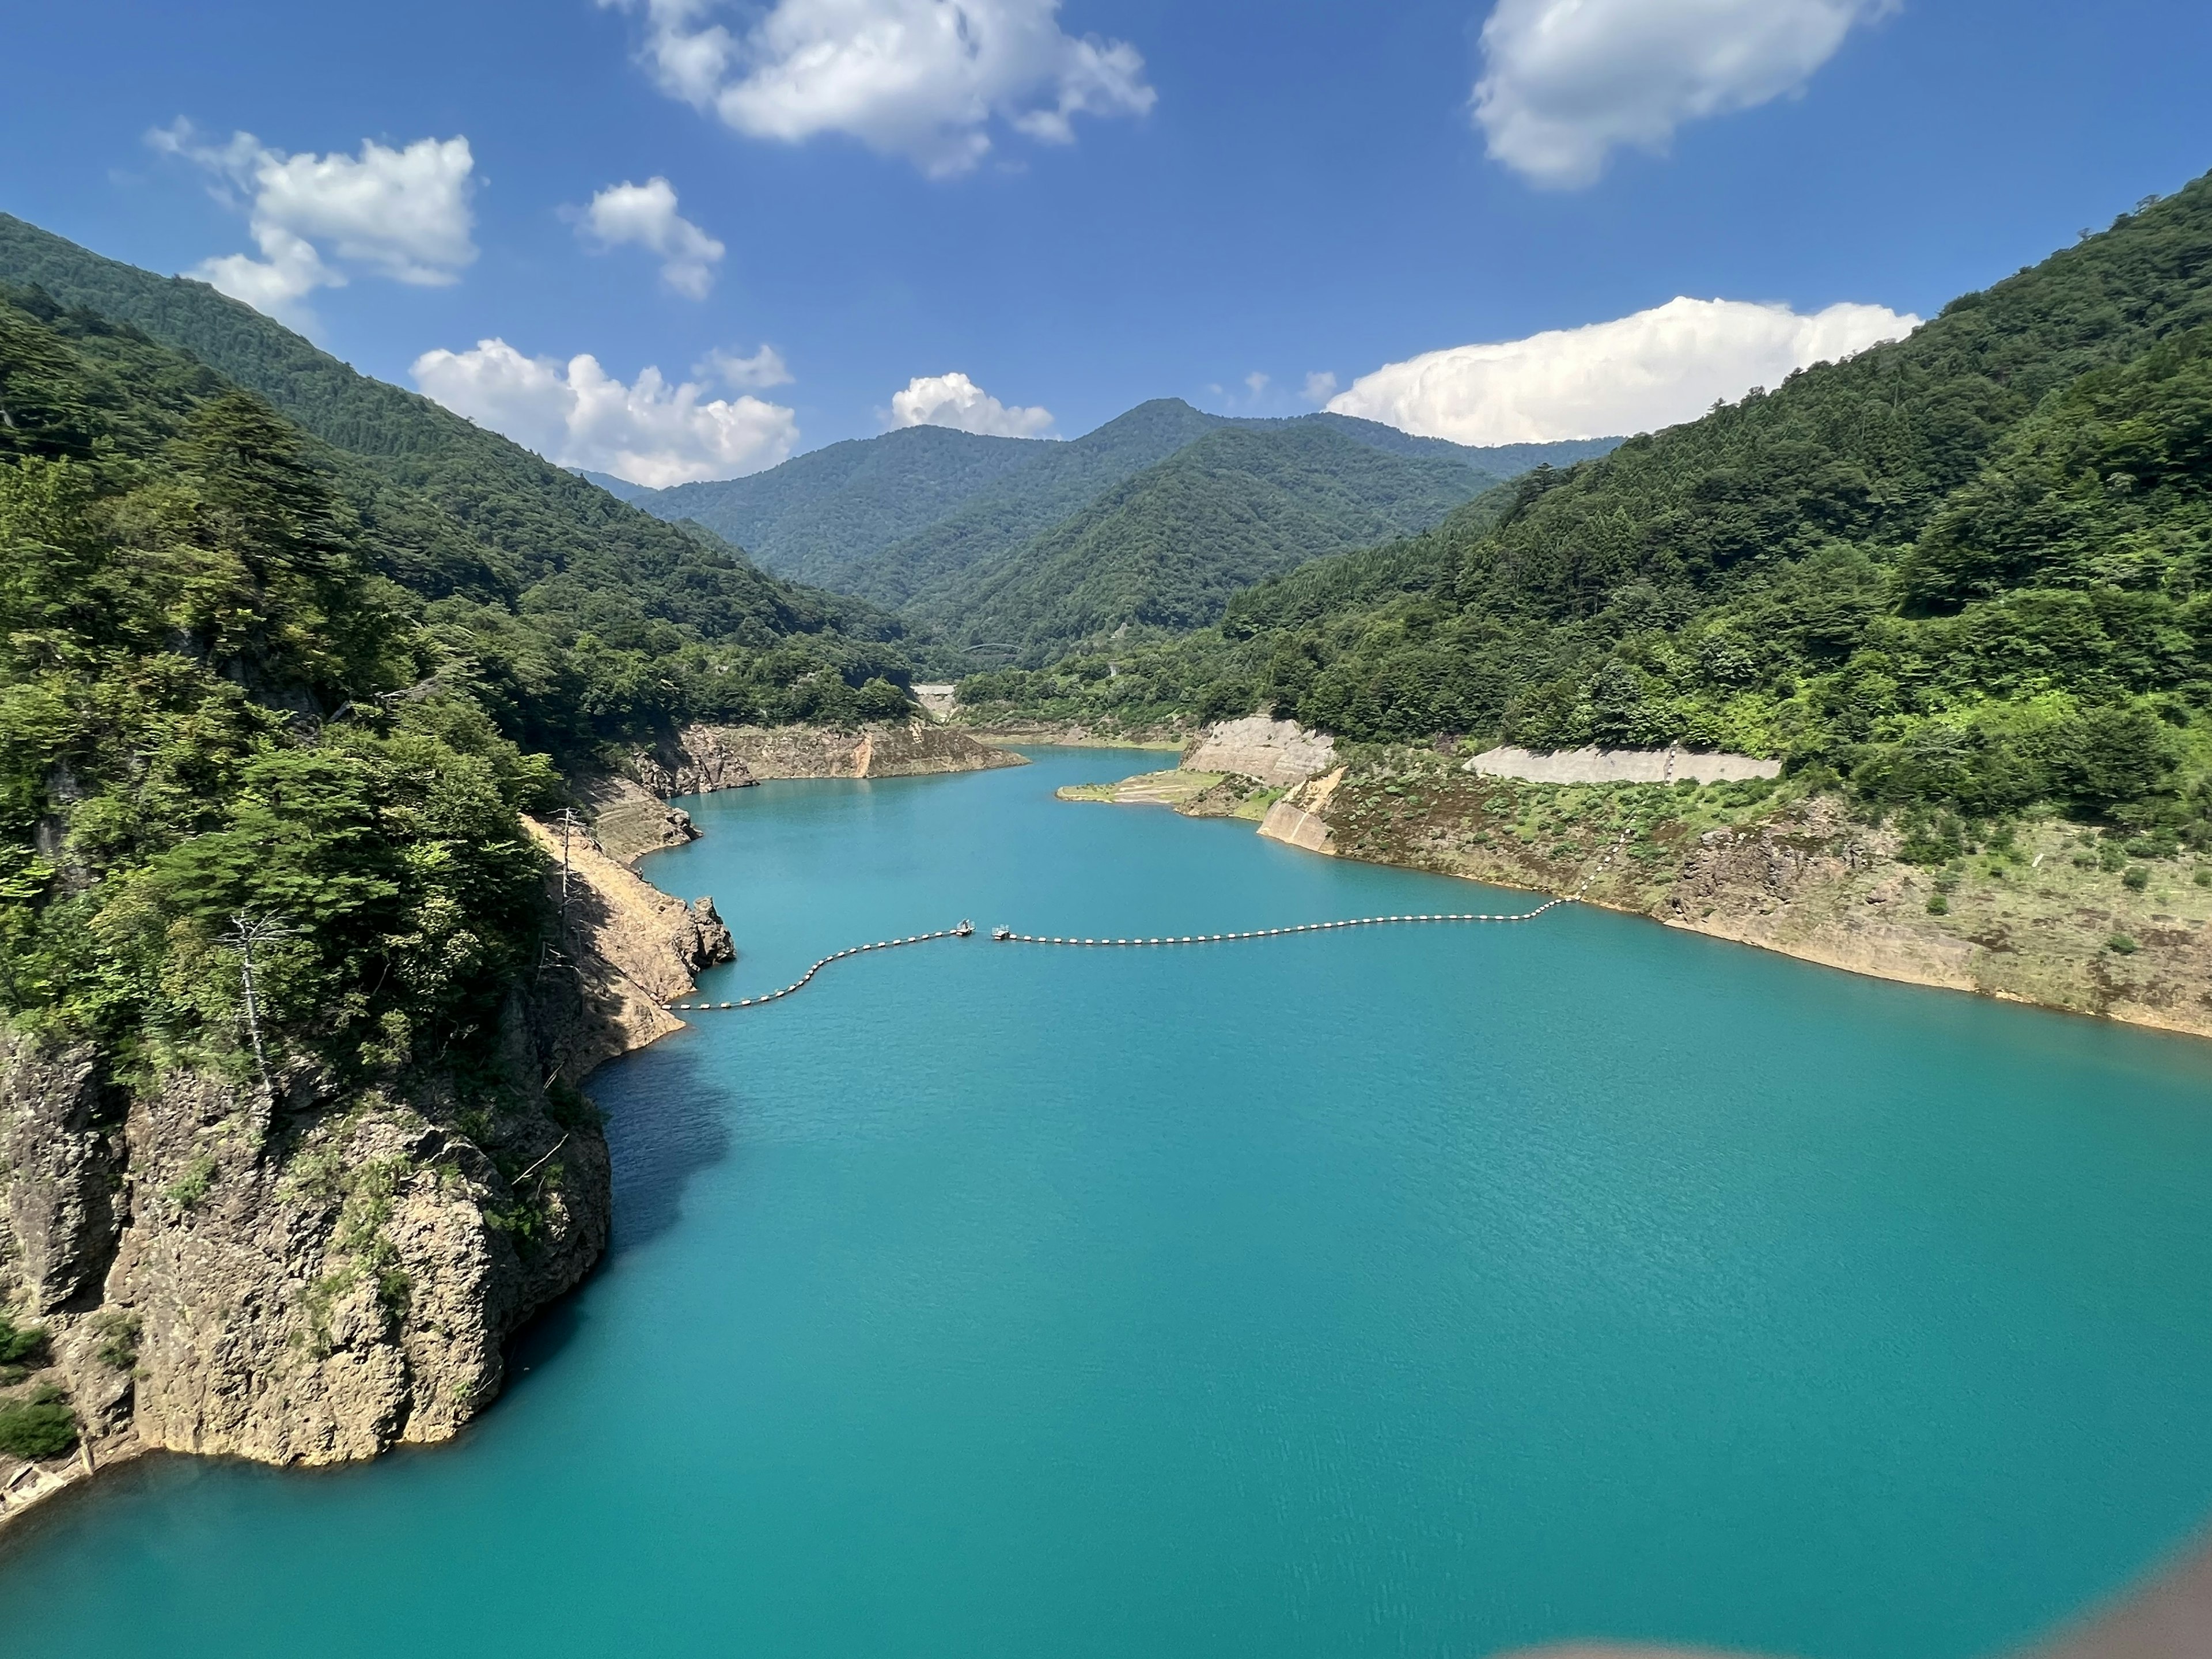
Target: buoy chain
(1005,936)
(1271,933)
(799,984)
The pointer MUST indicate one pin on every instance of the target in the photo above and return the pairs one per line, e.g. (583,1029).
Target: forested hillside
(1166,549)
(212,704)
(1972,569)
(1059,481)
(935,522)
(824,516)
(564,587)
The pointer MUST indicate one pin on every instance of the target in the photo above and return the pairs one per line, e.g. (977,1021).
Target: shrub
(2121,945)
(41,1426)
(20,1341)
(1938,905)
(118,1340)
(2138,878)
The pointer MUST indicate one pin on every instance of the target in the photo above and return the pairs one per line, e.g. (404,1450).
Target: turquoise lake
(1409,1291)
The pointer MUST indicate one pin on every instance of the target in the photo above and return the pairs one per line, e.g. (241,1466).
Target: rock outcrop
(702,759)
(1278,753)
(1298,820)
(321,1277)
(1621,766)
(60,1156)
(628,822)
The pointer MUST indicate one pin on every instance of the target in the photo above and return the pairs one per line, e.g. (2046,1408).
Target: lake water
(1411,1292)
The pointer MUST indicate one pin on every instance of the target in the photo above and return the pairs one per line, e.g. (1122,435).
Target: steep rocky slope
(323,1278)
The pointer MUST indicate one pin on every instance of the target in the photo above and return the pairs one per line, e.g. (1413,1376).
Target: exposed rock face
(59,1159)
(698,761)
(915,748)
(1298,819)
(702,759)
(1275,752)
(2044,918)
(1621,766)
(341,1275)
(349,1288)
(628,822)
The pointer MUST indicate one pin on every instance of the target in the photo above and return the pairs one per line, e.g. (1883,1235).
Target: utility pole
(247,930)
(556,955)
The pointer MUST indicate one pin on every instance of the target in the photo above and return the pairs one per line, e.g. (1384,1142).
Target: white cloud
(577,415)
(956,401)
(1636,375)
(918,78)
(403,214)
(1255,382)
(765,368)
(1320,386)
(645,215)
(1566,81)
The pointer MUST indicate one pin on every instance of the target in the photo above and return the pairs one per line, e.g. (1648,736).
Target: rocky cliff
(702,759)
(322,1276)
(1269,751)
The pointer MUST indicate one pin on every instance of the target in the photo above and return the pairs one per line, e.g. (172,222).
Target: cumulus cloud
(919,78)
(956,401)
(402,213)
(1636,375)
(765,368)
(645,215)
(1320,386)
(577,415)
(1566,81)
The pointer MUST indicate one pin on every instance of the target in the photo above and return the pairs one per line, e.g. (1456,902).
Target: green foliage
(1166,549)
(211,706)
(827,516)
(577,617)
(902,520)
(1967,571)
(20,1342)
(118,1340)
(41,1426)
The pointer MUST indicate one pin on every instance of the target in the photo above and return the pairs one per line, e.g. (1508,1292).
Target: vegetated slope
(268,920)
(1505,460)
(576,604)
(1166,549)
(895,517)
(1057,483)
(621,489)
(1969,569)
(820,517)
(477,514)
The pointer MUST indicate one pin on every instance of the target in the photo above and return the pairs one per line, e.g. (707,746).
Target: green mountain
(927,518)
(1056,483)
(1967,571)
(621,489)
(1166,549)
(588,617)
(822,516)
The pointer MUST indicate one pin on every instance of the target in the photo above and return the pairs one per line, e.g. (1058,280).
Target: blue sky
(1280,189)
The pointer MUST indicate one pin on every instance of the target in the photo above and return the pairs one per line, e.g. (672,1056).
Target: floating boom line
(1007,936)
